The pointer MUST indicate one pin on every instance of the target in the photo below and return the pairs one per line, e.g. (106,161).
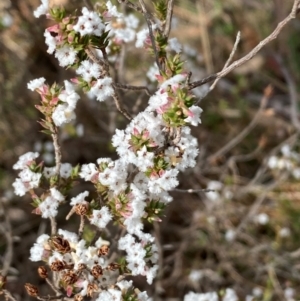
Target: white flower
(102,89)
(50,42)
(65,170)
(194,118)
(101,217)
(230,295)
(88,171)
(48,172)
(63,114)
(112,10)
(56,194)
(25,160)
(79,199)
(273,162)
(48,207)
(38,250)
(66,55)
(153,70)
(173,81)
(42,9)
(89,23)
(195,275)
(36,83)
(174,45)
(284,232)
(69,95)
(211,296)
(262,219)
(230,235)
(141,37)
(88,70)
(20,188)
(31,178)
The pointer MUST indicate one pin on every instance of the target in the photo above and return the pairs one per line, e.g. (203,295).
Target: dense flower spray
(154,147)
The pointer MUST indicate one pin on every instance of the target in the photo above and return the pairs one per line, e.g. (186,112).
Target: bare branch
(147,18)
(169,18)
(292,93)
(105,65)
(252,53)
(129,87)
(237,40)
(201,82)
(57,153)
(232,143)
(263,43)
(131,5)
(193,190)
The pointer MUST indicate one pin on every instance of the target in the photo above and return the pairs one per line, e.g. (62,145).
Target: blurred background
(244,234)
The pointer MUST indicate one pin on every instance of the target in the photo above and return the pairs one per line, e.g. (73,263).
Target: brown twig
(81,226)
(256,49)
(131,5)
(201,82)
(232,143)
(237,40)
(105,66)
(292,93)
(193,190)
(57,153)
(167,28)
(263,43)
(7,232)
(8,295)
(147,18)
(134,88)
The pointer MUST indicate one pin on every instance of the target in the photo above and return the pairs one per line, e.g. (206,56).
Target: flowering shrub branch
(154,147)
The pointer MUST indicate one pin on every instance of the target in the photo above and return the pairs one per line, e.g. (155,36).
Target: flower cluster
(82,270)
(154,147)
(30,174)
(289,160)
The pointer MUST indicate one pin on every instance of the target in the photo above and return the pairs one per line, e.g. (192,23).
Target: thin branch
(8,295)
(237,40)
(256,49)
(201,82)
(131,5)
(7,232)
(193,190)
(292,93)
(53,287)
(81,226)
(232,143)
(263,43)
(168,18)
(105,66)
(129,87)
(57,153)
(147,18)
(53,225)
(57,172)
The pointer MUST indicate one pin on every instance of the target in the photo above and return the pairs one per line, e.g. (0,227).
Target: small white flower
(79,199)
(174,45)
(63,114)
(66,55)
(36,83)
(262,219)
(102,89)
(25,160)
(101,217)
(42,9)
(194,119)
(65,170)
